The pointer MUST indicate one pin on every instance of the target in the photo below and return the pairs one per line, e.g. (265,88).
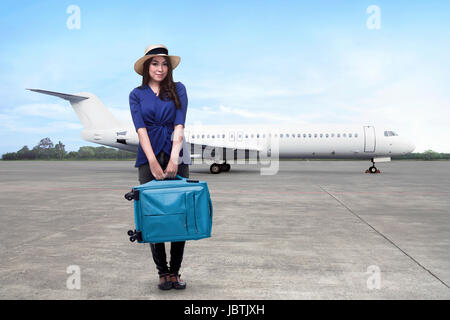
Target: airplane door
(369,139)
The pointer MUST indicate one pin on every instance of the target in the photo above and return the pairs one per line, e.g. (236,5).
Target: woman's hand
(171,169)
(156,170)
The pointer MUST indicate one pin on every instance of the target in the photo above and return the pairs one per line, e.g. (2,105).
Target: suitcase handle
(177,177)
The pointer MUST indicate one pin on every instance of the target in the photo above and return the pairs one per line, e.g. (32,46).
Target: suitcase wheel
(129,196)
(132,239)
(130,232)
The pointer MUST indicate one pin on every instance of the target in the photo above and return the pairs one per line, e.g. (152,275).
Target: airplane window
(321,135)
(326,136)
(356,135)
(203,136)
(299,135)
(310,135)
(264,135)
(287,135)
(338,135)
(212,136)
(193,137)
(198,136)
(349,135)
(315,135)
(223,136)
(344,135)
(207,136)
(251,136)
(246,136)
(392,133)
(276,135)
(332,135)
(281,135)
(304,135)
(232,136)
(257,135)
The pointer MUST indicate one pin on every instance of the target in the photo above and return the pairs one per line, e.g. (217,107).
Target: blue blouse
(159,117)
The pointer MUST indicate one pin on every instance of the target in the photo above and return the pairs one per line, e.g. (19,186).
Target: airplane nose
(410,146)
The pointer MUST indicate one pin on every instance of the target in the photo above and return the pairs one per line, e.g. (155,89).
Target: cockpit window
(390,134)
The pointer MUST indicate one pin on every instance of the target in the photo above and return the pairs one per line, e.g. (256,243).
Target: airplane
(222,143)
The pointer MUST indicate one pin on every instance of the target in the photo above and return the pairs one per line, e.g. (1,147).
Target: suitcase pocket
(162,203)
(164,226)
(163,214)
(202,216)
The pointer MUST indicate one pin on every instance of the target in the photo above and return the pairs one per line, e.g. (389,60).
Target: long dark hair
(167,88)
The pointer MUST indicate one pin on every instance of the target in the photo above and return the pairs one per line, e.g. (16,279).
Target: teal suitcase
(171,210)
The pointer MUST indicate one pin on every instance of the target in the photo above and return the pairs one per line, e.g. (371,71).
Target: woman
(158,108)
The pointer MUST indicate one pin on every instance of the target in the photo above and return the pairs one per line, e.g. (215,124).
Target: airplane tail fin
(89,109)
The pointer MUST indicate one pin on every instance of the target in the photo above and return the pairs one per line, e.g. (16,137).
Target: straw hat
(152,51)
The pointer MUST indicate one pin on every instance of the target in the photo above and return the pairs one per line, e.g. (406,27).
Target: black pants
(158,249)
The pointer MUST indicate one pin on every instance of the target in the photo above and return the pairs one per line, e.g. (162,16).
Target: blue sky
(242,62)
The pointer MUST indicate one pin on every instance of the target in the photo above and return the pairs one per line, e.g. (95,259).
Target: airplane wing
(65,96)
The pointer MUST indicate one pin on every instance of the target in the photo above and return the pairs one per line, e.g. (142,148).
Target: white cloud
(45,110)
(122,115)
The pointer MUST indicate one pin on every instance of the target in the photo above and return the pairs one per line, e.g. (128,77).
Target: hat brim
(139,65)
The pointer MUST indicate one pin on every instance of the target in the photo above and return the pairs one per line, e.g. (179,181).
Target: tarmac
(314,230)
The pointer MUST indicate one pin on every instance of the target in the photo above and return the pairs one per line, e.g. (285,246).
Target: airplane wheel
(227,167)
(215,168)
(373,170)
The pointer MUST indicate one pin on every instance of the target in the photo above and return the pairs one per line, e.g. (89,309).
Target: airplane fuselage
(292,141)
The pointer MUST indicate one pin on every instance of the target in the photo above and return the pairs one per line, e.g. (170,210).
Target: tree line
(426,155)
(46,150)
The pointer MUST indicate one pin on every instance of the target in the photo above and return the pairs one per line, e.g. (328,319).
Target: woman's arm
(177,143)
(155,168)
(178,131)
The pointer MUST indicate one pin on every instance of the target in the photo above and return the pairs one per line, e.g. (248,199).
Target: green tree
(9,156)
(25,154)
(86,153)
(60,151)
(44,149)
(431,155)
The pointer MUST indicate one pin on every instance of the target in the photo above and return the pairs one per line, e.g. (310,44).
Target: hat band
(158,51)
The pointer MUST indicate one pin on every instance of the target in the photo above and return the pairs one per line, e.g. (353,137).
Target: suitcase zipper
(195,215)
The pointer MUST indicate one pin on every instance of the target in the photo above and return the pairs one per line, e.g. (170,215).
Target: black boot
(177,283)
(164,282)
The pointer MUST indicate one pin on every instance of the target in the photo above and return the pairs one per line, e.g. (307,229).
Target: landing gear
(218,168)
(373,169)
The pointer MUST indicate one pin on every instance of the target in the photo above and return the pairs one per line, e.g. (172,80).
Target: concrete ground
(315,230)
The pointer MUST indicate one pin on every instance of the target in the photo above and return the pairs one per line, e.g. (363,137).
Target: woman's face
(158,69)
